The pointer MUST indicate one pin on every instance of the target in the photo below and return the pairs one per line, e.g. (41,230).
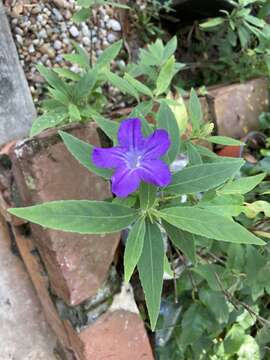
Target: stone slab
(44,170)
(17,109)
(24,333)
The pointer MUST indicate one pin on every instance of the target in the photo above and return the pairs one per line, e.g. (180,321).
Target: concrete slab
(17,109)
(24,333)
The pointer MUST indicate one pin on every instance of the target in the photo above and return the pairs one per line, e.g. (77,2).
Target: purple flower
(135,159)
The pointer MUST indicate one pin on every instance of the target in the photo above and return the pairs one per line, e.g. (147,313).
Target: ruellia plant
(74,96)
(165,207)
(79,97)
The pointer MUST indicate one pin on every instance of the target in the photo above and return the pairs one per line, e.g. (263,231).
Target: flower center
(133,159)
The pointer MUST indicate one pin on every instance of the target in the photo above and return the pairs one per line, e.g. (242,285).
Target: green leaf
(85,85)
(253,20)
(236,258)
(147,193)
(109,54)
(249,349)
(78,60)
(142,109)
(74,112)
(82,15)
(242,185)
(80,50)
(212,273)
(204,152)
(134,247)
(139,86)
(246,319)
(110,127)
(183,240)
(180,112)
(260,206)
(66,73)
(170,48)
(194,156)
(129,201)
(225,205)
(216,303)
(167,268)
(151,269)
(47,121)
(121,84)
(234,339)
(166,120)
(53,79)
(165,76)
(82,151)
(244,36)
(193,324)
(224,140)
(203,177)
(59,96)
(80,216)
(86,3)
(207,224)
(195,110)
(209,24)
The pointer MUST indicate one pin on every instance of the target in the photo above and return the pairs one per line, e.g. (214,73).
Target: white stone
(124,300)
(40,18)
(85,30)
(57,45)
(86,41)
(121,64)
(19,39)
(58,16)
(42,34)
(59,58)
(112,38)
(74,31)
(31,49)
(114,25)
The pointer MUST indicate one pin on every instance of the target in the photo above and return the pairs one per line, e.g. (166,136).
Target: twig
(234,301)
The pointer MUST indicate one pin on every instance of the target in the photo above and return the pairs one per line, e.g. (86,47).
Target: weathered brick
(238,106)
(117,335)
(44,170)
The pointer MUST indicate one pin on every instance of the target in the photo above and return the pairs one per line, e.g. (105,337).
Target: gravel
(44,31)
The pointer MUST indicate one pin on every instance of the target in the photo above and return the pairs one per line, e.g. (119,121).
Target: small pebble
(58,16)
(57,45)
(74,31)
(112,38)
(31,49)
(86,41)
(42,34)
(114,25)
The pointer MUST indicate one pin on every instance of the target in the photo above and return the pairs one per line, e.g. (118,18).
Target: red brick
(44,170)
(117,335)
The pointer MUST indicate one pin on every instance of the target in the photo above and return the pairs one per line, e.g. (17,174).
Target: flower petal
(157,144)
(130,135)
(155,172)
(125,181)
(108,157)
